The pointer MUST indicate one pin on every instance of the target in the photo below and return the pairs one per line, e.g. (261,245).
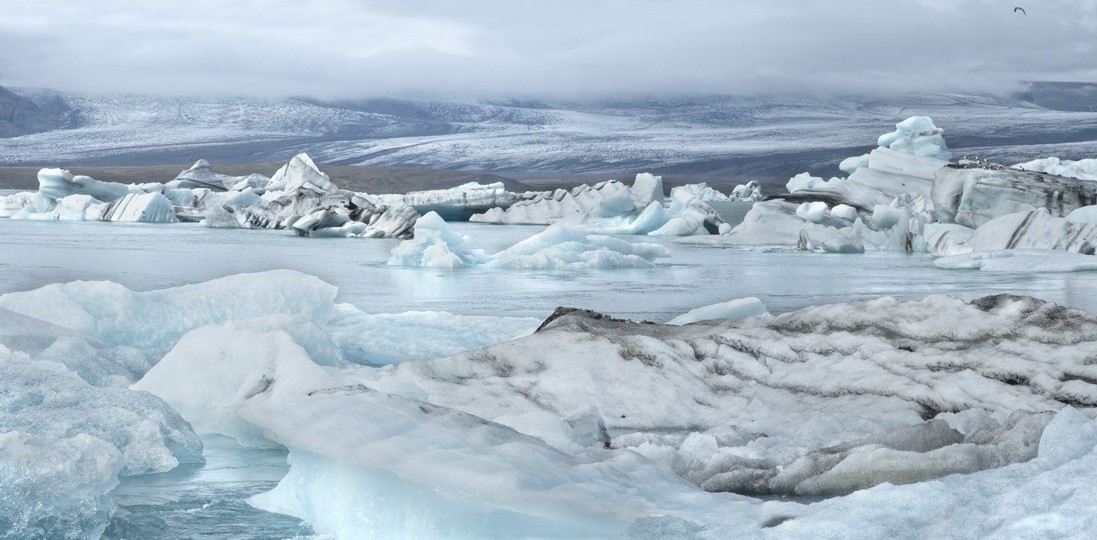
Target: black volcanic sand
(364,178)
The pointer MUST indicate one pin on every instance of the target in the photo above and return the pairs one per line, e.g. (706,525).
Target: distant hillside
(724,139)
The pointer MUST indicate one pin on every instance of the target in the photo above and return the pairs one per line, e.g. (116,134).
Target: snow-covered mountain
(730,136)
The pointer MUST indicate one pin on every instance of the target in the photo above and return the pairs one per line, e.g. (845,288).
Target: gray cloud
(520,48)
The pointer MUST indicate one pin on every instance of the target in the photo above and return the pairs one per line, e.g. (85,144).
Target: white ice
(1082,169)
(560,246)
(730,310)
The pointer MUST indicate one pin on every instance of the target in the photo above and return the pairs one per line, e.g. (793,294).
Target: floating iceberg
(612,208)
(300,173)
(1019,260)
(435,245)
(200,175)
(1083,169)
(559,246)
(457,203)
(906,196)
(917,136)
(730,310)
(301,198)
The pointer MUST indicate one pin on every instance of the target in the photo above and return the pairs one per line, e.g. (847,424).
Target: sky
(523,49)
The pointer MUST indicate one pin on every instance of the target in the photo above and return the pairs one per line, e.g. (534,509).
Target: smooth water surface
(145,257)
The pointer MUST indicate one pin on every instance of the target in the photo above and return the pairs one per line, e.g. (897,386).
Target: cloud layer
(528,49)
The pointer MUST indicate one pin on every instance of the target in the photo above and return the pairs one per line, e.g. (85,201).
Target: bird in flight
(1021,9)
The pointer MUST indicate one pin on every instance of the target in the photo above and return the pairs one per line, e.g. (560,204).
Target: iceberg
(139,207)
(756,383)
(973,195)
(11,204)
(301,198)
(1083,169)
(435,245)
(457,203)
(730,310)
(300,173)
(200,175)
(560,246)
(56,184)
(1019,260)
(917,136)
(750,191)
(56,487)
(611,208)
(1034,229)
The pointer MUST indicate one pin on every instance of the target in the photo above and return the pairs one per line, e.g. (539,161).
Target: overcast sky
(548,48)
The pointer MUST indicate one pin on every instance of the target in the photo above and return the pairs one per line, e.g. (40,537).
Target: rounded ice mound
(805,180)
(813,212)
(918,136)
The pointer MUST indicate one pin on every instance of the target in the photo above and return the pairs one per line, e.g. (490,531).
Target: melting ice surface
(208,500)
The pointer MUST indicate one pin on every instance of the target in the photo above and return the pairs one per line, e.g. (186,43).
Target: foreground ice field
(587,427)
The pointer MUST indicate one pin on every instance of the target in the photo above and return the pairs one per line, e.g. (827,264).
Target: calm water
(208,502)
(147,257)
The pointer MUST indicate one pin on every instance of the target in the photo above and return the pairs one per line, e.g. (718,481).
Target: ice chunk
(299,173)
(917,135)
(844,212)
(567,246)
(1019,260)
(139,207)
(200,175)
(456,203)
(558,246)
(116,315)
(212,370)
(647,188)
(972,196)
(435,245)
(11,204)
(381,338)
(1083,215)
(730,310)
(56,184)
(750,191)
(1035,229)
(813,212)
(1083,169)
(56,487)
(851,164)
(804,181)
(701,192)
